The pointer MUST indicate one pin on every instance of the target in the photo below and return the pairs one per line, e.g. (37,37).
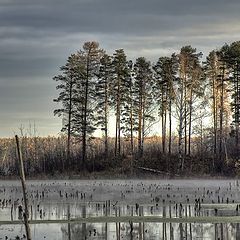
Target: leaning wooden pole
(22,177)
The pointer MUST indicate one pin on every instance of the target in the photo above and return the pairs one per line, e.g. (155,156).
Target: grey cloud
(36,38)
(113,15)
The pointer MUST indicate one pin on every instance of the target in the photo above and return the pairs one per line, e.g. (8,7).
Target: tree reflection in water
(78,231)
(153,231)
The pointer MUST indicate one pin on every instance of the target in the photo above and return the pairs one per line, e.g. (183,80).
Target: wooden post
(31,212)
(190,224)
(69,225)
(22,177)
(170,224)
(119,224)
(84,224)
(140,224)
(12,212)
(117,232)
(107,208)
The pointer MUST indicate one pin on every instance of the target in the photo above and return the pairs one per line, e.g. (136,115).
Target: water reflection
(59,211)
(147,231)
(152,231)
(59,200)
(117,231)
(127,230)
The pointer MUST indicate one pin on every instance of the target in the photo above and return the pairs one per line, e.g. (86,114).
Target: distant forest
(191,103)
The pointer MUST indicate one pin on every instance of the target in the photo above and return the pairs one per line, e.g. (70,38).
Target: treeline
(191,99)
(179,114)
(48,156)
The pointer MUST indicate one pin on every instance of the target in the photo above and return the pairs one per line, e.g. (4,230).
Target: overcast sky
(37,36)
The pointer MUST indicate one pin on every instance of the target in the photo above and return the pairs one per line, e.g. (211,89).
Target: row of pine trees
(181,97)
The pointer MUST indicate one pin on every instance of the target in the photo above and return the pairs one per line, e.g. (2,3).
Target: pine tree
(128,116)
(67,86)
(232,58)
(161,94)
(196,90)
(143,99)
(172,78)
(119,92)
(89,58)
(103,97)
(212,69)
(223,102)
(165,76)
(188,60)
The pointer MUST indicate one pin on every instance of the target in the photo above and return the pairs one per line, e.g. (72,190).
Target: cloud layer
(36,38)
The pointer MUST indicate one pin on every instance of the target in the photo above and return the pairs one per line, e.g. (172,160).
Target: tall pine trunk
(140,131)
(163,112)
(237,104)
(221,122)
(214,121)
(116,135)
(69,124)
(131,129)
(170,127)
(185,115)
(118,124)
(140,120)
(106,121)
(164,131)
(190,122)
(84,141)
(131,119)
(118,121)
(180,130)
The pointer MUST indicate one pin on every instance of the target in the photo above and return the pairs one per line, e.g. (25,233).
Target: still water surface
(58,200)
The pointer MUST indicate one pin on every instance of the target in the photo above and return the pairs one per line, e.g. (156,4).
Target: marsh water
(146,202)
